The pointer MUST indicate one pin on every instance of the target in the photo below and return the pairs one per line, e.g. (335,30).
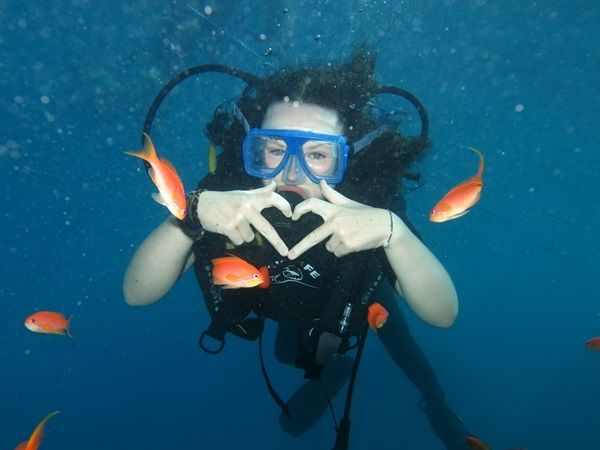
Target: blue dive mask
(297,153)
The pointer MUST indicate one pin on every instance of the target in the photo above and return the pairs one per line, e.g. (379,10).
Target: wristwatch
(190,224)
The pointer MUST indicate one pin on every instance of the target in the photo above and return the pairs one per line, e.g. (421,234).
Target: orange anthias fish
(459,199)
(233,272)
(165,178)
(377,316)
(593,344)
(477,444)
(48,322)
(36,437)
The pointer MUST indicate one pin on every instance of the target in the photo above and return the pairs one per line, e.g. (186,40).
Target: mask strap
(239,115)
(369,137)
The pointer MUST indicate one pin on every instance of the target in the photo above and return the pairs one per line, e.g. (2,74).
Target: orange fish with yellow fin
(48,322)
(34,441)
(377,316)
(459,199)
(593,344)
(477,444)
(233,272)
(166,179)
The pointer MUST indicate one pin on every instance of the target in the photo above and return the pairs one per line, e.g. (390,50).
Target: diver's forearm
(157,264)
(422,280)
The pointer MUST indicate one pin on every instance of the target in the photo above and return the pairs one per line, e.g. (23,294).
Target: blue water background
(518,79)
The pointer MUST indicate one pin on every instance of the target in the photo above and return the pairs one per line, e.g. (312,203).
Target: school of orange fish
(232,272)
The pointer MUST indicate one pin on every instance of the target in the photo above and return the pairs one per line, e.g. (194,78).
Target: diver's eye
(276,151)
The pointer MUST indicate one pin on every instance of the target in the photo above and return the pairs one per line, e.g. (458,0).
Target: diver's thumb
(267,188)
(331,195)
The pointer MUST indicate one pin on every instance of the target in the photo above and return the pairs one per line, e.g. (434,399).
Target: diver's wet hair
(373,174)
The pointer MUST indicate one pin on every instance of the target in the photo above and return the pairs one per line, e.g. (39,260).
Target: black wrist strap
(190,225)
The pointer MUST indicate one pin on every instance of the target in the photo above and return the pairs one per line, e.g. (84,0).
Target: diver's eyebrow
(320,146)
(316,144)
(279,142)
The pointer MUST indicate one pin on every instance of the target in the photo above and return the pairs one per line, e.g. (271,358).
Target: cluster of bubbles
(11,148)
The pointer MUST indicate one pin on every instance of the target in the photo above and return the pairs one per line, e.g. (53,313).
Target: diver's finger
(314,205)
(235,237)
(263,226)
(333,196)
(333,243)
(337,246)
(266,188)
(278,202)
(246,232)
(311,239)
(341,250)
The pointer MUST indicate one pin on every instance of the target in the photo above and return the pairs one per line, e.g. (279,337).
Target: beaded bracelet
(386,244)
(190,224)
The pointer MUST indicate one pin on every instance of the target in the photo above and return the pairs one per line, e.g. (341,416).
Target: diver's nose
(293,172)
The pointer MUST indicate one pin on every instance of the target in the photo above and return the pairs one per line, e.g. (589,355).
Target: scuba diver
(309,185)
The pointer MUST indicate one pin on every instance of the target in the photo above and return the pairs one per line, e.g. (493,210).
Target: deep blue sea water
(518,79)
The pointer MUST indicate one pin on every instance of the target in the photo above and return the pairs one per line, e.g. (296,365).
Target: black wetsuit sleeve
(397,339)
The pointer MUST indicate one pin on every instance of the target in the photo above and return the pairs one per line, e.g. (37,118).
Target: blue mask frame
(294,140)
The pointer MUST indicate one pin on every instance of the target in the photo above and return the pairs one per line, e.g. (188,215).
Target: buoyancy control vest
(326,296)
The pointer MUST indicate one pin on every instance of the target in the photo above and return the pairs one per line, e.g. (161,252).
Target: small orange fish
(593,344)
(165,178)
(48,322)
(459,199)
(377,316)
(264,271)
(36,437)
(233,272)
(477,444)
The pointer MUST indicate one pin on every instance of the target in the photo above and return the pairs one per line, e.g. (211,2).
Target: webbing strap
(270,387)
(343,429)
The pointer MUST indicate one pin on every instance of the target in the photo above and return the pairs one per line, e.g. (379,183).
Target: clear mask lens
(293,173)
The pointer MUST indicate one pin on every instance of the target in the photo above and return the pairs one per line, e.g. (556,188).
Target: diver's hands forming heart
(352,226)
(231,213)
